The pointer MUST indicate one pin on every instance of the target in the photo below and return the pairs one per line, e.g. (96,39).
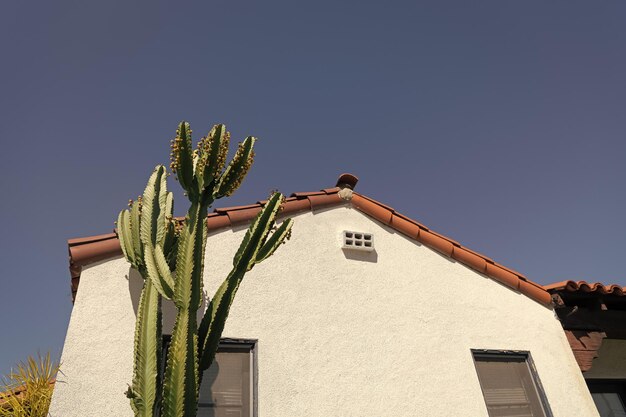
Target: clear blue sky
(500,124)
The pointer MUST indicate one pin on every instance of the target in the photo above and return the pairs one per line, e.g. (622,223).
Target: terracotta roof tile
(17,392)
(434,241)
(96,250)
(306,194)
(404,226)
(585,287)
(240,216)
(377,211)
(87,250)
(319,201)
(90,239)
(454,242)
(502,275)
(235,208)
(486,258)
(295,206)
(216,221)
(470,259)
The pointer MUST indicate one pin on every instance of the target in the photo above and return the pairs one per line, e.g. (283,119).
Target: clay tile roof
(92,249)
(16,392)
(585,287)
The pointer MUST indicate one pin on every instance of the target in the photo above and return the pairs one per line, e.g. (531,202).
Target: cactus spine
(171,261)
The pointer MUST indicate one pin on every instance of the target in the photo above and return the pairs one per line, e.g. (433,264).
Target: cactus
(147,233)
(170,258)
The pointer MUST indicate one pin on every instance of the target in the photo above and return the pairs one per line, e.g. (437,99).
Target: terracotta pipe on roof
(347,181)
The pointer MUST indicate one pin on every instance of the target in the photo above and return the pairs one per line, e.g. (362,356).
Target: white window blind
(508,386)
(227,386)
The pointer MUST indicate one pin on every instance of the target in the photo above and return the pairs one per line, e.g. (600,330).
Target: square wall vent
(358,241)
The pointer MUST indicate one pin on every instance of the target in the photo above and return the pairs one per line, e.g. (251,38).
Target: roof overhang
(590,314)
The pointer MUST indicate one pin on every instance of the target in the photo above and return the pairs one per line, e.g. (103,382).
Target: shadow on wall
(354,255)
(210,393)
(135,285)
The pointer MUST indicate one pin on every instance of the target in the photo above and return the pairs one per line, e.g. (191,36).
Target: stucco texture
(340,333)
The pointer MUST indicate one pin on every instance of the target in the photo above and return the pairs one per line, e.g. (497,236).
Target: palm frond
(27,390)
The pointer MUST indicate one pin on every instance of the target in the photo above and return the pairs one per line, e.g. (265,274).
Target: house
(364,312)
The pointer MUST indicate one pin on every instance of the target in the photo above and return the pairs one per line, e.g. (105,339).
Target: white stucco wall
(339,334)
(97,363)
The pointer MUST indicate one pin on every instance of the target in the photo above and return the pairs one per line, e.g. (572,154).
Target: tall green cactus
(171,261)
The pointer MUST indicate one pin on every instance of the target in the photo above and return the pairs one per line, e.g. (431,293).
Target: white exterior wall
(382,334)
(97,359)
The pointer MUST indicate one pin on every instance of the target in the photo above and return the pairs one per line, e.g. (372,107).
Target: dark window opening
(609,397)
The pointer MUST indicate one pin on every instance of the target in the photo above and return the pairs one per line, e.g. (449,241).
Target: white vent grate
(358,241)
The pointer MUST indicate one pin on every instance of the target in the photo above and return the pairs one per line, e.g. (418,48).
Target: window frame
(250,345)
(514,354)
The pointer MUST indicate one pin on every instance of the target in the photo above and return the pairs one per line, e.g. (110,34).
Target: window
(229,386)
(609,396)
(509,384)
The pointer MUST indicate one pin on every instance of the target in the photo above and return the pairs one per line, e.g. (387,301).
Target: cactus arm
(190,258)
(124,235)
(163,283)
(213,149)
(258,231)
(164,269)
(180,389)
(142,231)
(214,319)
(153,230)
(152,227)
(180,384)
(164,211)
(255,240)
(182,156)
(274,241)
(169,205)
(143,394)
(237,169)
(135,223)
